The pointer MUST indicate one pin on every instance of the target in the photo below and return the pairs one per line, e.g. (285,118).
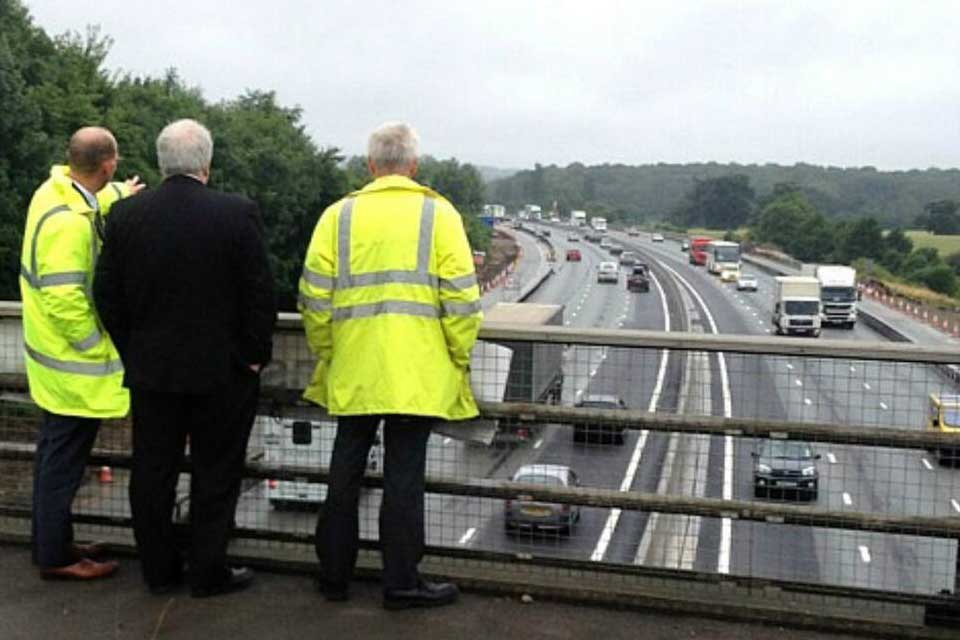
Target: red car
(573,255)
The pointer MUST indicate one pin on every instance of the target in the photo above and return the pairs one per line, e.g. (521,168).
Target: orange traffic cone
(106,475)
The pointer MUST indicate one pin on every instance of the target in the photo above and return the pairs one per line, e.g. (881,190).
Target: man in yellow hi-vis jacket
(73,369)
(391,308)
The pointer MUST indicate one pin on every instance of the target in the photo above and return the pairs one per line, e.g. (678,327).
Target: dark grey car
(786,466)
(605,434)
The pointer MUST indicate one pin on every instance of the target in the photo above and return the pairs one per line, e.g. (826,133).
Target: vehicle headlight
(809,471)
(763,468)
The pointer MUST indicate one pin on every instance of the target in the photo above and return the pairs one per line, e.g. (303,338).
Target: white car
(608,272)
(747,282)
(605,242)
(657,237)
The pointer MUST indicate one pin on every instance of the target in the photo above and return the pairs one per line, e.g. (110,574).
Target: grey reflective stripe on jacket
(89,342)
(345,280)
(80,368)
(31,274)
(53,279)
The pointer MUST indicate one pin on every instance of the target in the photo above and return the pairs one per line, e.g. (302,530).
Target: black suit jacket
(183,286)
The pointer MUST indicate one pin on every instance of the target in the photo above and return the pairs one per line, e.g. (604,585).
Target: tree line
(51,86)
(655,192)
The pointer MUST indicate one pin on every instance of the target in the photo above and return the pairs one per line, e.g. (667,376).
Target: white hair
(393,146)
(184,147)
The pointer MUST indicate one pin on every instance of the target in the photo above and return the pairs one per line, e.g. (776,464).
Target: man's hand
(134,185)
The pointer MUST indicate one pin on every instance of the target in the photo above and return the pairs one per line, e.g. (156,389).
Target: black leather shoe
(426,594)
(237,578)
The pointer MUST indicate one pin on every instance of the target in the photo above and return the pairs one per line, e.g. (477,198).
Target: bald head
(90,149)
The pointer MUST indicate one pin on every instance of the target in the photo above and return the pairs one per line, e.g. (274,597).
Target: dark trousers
(218,426)
(401,511)
(63,447)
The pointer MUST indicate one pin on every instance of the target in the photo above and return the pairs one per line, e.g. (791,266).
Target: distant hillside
(651,192)
(489,174)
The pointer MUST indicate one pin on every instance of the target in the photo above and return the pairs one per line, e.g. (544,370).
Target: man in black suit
(184,287)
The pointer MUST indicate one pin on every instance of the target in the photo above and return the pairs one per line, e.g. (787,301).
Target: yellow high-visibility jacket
(391,305)
(72,366)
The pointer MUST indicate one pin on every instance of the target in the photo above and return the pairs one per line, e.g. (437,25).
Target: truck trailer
(796,308)
(535,370)
(838,294)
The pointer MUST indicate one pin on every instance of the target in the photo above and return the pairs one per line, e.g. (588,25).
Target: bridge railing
(721,474)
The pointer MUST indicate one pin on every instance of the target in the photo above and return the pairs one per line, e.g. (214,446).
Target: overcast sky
(512,83)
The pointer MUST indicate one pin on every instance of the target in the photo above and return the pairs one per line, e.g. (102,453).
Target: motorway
(684,297)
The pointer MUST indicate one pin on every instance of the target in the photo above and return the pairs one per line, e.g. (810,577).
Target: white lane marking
(799,382)
(767,330)
(613,517)
(847,500)
(853,369)
(832,459)
(465,538)
(789,367)
(807,401)
(726,526)
(567,322)
(955,504)
(866,385)
(864,553)
(883,405)
(447,440)
(927,464)
(536,445)
(593,373)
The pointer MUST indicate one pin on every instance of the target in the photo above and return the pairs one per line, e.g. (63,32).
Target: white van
(303,443)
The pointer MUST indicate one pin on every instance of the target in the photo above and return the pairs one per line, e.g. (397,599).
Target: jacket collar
(395,182)
(181,179)
(63,184)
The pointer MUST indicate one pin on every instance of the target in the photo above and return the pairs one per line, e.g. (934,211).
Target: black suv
(601,433)
(786,466)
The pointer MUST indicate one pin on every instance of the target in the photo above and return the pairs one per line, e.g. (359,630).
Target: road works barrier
(874,550)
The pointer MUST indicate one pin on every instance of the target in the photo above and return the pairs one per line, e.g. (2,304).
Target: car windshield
(952,417)
(747,276)
(801,307)
(785,449)
(838,294)
(539,478)
(727,254)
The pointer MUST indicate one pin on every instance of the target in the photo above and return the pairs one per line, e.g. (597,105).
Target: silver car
(747,282)
(608,272)
(533,515)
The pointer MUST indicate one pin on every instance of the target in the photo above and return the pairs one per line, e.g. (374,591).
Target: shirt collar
(89,197)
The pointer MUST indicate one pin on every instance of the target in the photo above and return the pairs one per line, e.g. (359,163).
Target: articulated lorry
(578,218)
(698,250)
(796,308)
(599,224)
(838,294)
(519,371)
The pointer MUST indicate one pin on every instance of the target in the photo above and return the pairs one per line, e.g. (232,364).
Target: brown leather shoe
(92,550)
(85,569)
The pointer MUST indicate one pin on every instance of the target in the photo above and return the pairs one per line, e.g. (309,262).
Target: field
(945,245)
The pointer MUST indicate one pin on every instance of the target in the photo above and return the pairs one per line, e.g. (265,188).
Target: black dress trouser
(63,447)
(218,426)
(401,510)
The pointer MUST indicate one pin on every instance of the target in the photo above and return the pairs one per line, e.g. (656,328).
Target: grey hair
(184,147)
(393,146)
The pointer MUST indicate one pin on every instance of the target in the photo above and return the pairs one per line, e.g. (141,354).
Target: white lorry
(578,218)
(796,307)
(598,224)
(838,294)
(304,443)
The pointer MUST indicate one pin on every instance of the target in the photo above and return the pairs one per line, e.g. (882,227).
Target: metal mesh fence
(834,470)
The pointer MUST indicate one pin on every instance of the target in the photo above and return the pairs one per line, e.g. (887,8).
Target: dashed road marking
(955,504)
(465,538)
(799,382)
(866,385)
(789,367)
(593,372)
(447,440)
(927,464)
(832,459)
(864,553)
(883,405)
(847,500)
(807,401)
(853,369)
(538,443)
